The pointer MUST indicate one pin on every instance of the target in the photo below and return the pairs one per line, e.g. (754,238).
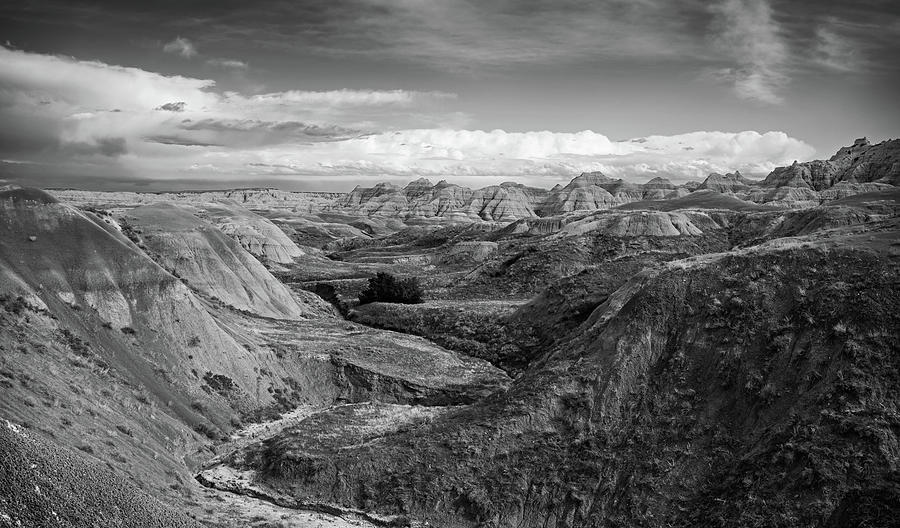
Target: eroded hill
(710,354)
(692,395)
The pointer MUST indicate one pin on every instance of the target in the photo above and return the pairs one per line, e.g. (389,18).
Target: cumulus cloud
(51,100)
(83,117)
(333,98)
(749,34)
(181,46)
(539,158)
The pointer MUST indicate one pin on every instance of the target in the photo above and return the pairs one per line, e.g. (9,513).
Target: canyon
(603,353)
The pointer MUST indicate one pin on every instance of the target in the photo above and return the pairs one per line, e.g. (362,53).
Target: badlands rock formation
(210,262)
(107,353)
(420,198)
(258,235)
(861,167)
(727,183)
(690,396)
(251,198)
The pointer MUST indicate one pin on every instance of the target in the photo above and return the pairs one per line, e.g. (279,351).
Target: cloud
(748,34)
(86,118)
(229,64)
(480,158)
(835,51)
(56,99)
(347,97)
(107,146)
(181,46)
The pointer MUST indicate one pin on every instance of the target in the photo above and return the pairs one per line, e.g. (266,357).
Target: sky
(330,94)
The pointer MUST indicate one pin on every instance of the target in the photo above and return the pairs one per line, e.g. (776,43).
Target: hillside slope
(211,262)
(690,397)
(46,485)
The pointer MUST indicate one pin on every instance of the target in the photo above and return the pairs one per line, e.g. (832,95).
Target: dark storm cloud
(247,133)
(323,70)
(490,32)
(177,140)
(756,46)
(292,128)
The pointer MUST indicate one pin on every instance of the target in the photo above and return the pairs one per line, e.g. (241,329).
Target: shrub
(384,287)
(219,383)
(209,431)
(329,294)
(13,305)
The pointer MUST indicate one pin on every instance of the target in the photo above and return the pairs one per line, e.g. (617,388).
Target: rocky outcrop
(504,202)
(732,182)
(582,193)
(861,162)
(861,167)
(595,191)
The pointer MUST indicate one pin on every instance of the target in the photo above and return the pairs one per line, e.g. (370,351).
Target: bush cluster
(384,287)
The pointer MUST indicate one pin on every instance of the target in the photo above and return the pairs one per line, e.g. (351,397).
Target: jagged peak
(590,178)
(421,182)
(659,179)
(859,145)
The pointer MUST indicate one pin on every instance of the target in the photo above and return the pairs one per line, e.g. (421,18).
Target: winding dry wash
(360,263)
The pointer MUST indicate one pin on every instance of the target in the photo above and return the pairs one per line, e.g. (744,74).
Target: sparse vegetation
(385,287)
(219,383)
(14,305)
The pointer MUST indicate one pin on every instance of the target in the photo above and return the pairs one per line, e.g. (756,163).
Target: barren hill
(690,396)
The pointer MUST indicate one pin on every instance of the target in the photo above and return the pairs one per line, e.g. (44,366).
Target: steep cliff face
(505,202)
(691,396)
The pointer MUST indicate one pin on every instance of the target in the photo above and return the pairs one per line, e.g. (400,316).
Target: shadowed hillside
(689,396)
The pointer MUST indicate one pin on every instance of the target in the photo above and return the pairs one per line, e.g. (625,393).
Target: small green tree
(384,287)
